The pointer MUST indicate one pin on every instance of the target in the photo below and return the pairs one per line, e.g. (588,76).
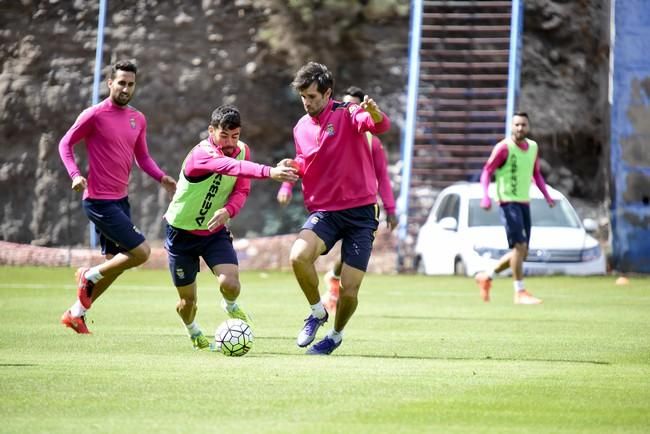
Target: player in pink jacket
(340,192)
(115,135)
(354,95)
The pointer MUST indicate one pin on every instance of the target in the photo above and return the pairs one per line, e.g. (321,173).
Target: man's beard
(122,99)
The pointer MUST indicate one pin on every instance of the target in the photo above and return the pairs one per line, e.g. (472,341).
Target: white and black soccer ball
(233,337)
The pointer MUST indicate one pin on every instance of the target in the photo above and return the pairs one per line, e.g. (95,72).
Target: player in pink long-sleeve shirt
(354,95)
(213,186)
(115,134)
(340,192)
(515,162)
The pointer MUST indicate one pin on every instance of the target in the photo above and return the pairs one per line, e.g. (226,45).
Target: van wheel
(459,268)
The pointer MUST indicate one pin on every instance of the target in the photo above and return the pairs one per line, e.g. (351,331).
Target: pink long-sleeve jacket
(114,135)
(335,160)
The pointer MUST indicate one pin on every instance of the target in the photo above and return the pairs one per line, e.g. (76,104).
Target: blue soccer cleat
(308,332)
(324,347)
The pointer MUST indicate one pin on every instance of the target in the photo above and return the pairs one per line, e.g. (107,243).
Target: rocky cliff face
(564,87)
(194,56)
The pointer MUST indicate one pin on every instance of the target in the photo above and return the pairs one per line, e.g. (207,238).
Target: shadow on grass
(473,319)
(462,359)
(16,365)
(407,357)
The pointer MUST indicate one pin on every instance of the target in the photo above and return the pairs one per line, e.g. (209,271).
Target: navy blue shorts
(184,250)
(355,226)
(516,218)
(112,219)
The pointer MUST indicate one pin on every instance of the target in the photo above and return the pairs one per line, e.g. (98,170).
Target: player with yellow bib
(213,186)
(515,163)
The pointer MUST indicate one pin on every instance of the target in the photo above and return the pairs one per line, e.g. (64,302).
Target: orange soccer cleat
(76,323)
(525,297)
(331,296)
(484,282)
(84,288)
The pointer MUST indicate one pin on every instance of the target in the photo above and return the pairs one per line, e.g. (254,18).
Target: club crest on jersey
(330,130)
(132,122)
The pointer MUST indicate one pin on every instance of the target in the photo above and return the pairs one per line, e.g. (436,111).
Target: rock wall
(194,56)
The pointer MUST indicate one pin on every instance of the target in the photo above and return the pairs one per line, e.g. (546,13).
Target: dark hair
(313,72)
(522,114)
(226,117)
(355,92)
(123,65)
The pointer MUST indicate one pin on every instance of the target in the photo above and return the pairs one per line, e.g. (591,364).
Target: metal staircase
(462,96)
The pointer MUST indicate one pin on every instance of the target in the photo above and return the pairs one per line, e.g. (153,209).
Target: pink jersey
(498,158)
(200,163)
(114,135)
(381,172)
(334,157)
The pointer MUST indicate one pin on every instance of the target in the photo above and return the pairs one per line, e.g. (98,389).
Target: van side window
(449,207)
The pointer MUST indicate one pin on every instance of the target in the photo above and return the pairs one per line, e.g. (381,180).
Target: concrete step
(473,5)
(466,16)
(502,41)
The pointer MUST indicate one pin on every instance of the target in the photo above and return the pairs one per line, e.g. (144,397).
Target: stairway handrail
(409,124)
(514,61)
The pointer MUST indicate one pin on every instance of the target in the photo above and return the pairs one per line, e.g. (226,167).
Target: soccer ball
(233,337)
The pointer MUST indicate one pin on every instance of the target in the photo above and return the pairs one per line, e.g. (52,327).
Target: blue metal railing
(514,60)
(97,79)
(409,125)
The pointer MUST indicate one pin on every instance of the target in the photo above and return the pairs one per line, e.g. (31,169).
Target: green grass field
(422,354)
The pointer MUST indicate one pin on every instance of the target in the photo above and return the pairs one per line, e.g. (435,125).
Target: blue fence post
(514,61)
(409,126)
(96,81)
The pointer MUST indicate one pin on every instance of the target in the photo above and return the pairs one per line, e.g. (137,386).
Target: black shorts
(184,250)
(356,228)
(112,219)
(516,219)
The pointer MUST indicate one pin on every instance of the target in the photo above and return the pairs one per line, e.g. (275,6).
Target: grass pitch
(422,354)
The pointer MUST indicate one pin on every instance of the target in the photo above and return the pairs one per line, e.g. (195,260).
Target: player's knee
(229,285)
(141,253)
(349,290)
(299,257)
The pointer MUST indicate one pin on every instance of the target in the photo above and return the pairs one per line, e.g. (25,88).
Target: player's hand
(79,183)
(369,105)
(219,218)
(284,197)
(550,202)
(288,162)
(284,174)
(168,184)
(391,221)
(486,204)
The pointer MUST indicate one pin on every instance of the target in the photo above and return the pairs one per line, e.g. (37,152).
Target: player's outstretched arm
(284,174)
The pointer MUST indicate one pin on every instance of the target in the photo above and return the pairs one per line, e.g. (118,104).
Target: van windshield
(561,215)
